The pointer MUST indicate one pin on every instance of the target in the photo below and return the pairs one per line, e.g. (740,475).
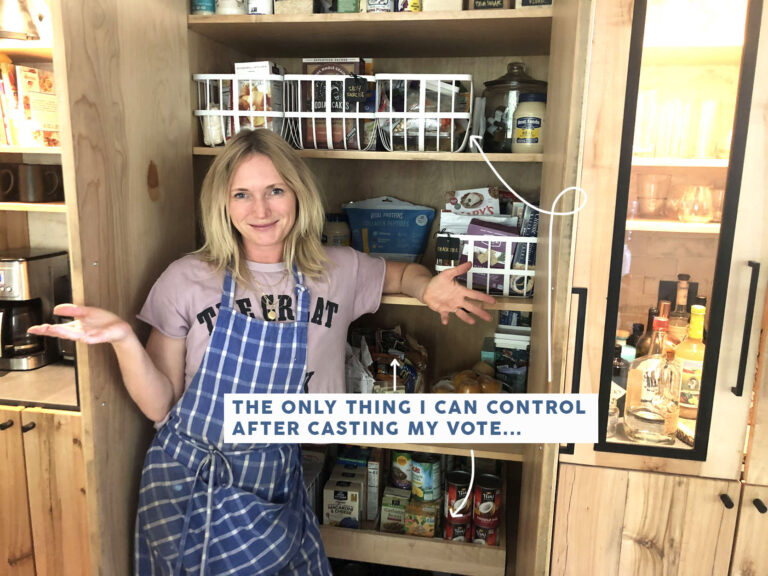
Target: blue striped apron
(206,507)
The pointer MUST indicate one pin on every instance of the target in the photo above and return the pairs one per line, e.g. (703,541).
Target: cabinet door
(610,521)
(53,451)
(749,557)
(15,534)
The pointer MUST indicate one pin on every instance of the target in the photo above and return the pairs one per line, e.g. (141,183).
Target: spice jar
(501,100)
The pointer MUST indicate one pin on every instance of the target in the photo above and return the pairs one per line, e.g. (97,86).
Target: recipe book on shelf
(37,104)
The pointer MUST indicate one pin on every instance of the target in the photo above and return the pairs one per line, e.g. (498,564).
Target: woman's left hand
(445,296)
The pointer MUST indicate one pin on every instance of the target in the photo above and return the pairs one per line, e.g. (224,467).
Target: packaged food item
(485,531)
(426,480)
(381,5)
(401,468)
(474,201)
(375,481)
(341,503)
(393,505)
(487,497)
(528,123)
(421,518)
(458,529)
(336,230)
(456,500)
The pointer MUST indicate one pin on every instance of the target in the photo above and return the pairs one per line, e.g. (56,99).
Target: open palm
(445,296)
(90,325)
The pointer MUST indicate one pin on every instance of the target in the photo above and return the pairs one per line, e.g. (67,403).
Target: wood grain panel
(677,525)
(122,74)
(14,230)
(53,451)
(16,549)
(749,556)
(589,515)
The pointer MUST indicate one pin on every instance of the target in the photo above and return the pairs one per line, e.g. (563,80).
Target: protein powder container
(528,123)
(336,230)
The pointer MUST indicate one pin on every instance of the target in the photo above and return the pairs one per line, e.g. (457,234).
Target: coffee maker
(31,284)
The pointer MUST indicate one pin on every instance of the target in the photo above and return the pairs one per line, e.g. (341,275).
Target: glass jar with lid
(501,98)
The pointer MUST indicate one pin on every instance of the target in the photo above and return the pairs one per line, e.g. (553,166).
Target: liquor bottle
(644,342)
(619,373)
(702,301)
(637,333)
(680,317)
(635,378)
(690,358)
(655,417)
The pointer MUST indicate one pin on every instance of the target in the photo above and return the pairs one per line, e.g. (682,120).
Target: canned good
(487,496)
(485,531)
(457,487)
(426,478)
(401,469)
(458,531)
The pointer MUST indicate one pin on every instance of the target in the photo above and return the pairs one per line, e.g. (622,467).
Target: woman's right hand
(90,325)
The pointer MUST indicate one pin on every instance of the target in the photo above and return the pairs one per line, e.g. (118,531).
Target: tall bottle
(680,317)
(690,358)
(643,343)
(619,371)
(702,301)
(654,419)
(635,375)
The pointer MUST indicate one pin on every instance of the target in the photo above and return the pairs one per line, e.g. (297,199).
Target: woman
(279,325)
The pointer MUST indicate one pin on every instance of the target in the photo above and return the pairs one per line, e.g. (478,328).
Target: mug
(7,185)
(39,183)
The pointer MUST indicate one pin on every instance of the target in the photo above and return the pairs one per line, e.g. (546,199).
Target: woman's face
(262,208)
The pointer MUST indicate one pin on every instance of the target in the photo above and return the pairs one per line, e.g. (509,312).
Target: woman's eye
(238,195)
(277,191)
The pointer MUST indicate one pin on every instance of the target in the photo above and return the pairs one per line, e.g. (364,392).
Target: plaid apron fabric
(206,507)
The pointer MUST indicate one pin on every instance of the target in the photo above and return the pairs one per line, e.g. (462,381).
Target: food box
(375,462)
(393,505)
(390,228)
(342,503)
(421,518)
(357,474)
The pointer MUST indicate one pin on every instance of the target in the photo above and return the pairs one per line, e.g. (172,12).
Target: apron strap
(302,296)
(228,294)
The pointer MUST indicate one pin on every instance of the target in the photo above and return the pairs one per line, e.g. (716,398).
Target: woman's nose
(261,207)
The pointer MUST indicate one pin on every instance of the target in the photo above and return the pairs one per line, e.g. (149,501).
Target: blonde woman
(261,307)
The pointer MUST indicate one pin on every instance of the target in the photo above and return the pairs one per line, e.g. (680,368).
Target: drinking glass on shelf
(718,194)
(705,137)
(645,123)
(651,195)
(696,205)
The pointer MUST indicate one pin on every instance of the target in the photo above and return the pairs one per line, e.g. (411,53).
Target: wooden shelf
(394,156)
(675,165)
(58,207)
(502,302)
(434,554)
(672,226)
(30,155)
(508,452)
(21,51)
(522,31)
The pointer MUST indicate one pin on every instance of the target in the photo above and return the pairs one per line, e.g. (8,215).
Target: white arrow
(460,506)
(394,365)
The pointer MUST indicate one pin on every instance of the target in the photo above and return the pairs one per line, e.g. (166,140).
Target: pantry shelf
(30,155)
(672,226)
(396,156)
(508,452)
(27,51)
(51,207)
(433,554)
(672,165)
(521,31)
(502,302)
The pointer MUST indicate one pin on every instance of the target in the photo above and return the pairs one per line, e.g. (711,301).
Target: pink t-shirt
(184,303)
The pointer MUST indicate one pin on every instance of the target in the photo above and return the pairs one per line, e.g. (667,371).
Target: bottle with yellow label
(528,123)
(690,357)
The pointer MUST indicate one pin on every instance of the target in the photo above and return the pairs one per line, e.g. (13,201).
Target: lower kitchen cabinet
(625,522)
(749,556)
(43,527)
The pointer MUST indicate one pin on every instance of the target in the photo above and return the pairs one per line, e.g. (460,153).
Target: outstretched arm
(154,377)
(441,293)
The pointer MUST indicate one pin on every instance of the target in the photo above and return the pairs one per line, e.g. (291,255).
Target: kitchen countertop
(52,386)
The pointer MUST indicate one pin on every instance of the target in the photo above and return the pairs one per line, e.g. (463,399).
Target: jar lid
(336,217)
(533,97)
(517,79)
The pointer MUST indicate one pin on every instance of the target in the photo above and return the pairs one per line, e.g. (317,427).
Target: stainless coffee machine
(32,282)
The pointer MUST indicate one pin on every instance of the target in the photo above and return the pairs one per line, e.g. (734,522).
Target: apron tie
(209,463)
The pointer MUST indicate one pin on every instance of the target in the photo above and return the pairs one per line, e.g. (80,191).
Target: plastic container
(528,123)
(336,230)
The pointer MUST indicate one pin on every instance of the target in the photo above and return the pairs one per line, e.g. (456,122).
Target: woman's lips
(262,226)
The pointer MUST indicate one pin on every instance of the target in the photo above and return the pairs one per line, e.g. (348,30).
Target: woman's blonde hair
(223,245)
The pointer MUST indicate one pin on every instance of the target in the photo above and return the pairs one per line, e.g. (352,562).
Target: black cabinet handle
(727,502)
(5,425)
(738,390)
(28,427)
(760,505)
(581,315)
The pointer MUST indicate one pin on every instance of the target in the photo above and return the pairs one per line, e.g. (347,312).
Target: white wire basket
(501,265)
(424,112)
(259,104)
(319,115)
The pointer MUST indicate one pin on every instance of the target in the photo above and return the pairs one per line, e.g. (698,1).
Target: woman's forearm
(406,278)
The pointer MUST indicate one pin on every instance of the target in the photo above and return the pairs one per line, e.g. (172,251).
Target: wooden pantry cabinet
(132,163)
(43,495)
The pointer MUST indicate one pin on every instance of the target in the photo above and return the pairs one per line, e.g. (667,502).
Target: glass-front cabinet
(670,283)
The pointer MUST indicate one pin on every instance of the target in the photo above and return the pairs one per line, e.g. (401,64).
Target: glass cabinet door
(683,85)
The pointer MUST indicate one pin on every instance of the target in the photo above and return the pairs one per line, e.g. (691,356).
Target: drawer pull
(738,390)
(5,425)
(28,427)
(760,505)
(727,502)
